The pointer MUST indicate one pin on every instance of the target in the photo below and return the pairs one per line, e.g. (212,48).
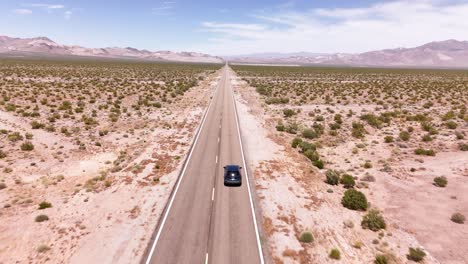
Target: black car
(232,176)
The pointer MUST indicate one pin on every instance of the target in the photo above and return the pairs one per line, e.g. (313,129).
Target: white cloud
(164,8)
(22,11)
(377,26)
(68,14)
(48,6)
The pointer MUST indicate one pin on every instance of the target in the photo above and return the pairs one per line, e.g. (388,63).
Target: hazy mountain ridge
(448,53)
(45,46)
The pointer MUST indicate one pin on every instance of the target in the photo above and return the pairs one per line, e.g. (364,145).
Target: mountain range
(42,46)
(448,53)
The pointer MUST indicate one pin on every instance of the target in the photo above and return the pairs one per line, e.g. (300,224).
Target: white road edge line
(260,252)
(206,258)
(216,158)
(148,259)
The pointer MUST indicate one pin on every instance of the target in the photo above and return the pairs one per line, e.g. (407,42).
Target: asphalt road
(207,222)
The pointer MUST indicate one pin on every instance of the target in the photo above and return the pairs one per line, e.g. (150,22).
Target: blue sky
(238,27)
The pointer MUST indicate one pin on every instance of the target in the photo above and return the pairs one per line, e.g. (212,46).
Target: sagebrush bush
(451,125)
(280,127)
(312,155)
(335,254)
(27,146)
(354,200)
(347,181)
(440,181)
(309,133)
(458,218)
(306,237)
(388,139)
(296,141)
(44,205)
(463,147)
(404,135)
(43,248)
(416,254)
(425,152)
(373,220)
(288,112)
(41,218)
(380,259)
(319,164)
(2,185)
(332,177)
(2,154)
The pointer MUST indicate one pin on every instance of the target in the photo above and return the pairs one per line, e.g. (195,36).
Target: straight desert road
(207,222)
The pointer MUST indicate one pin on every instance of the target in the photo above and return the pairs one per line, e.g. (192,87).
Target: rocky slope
(449,53)
(45,47)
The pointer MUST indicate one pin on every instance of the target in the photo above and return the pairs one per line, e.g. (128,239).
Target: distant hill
(448,53)
(42,46)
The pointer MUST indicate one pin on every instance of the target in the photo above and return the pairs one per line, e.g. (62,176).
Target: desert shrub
(312,155)
(27,146)
(29,136)
(416,254)
(44,205)
(2,185)
(367,165)
(15,136)
(347,181)
(280,127)
(404,135)
(335,126)
(425,152)
(288,112)
(41,218)
(440,181)
(429,128)
(335,254)
(463,147)
(304,146)
(66,105)
(319,164)
(373,220)
(37,125)
(449,115)
(458,218)
(309,133)
(2,154)
(338,119)
(306,237)
(103,132)
(427,138)
(263,90)
(354,200)
(380,259)
(358,130)
(372,120)
(291,128)
(277,100)
(319,118)
(296,141)
(459,135)
(43,248)
(388,139)
(451,125)
(332,177)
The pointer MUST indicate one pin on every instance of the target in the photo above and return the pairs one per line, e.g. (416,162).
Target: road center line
(216,158)
(206,258)
(212,194)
